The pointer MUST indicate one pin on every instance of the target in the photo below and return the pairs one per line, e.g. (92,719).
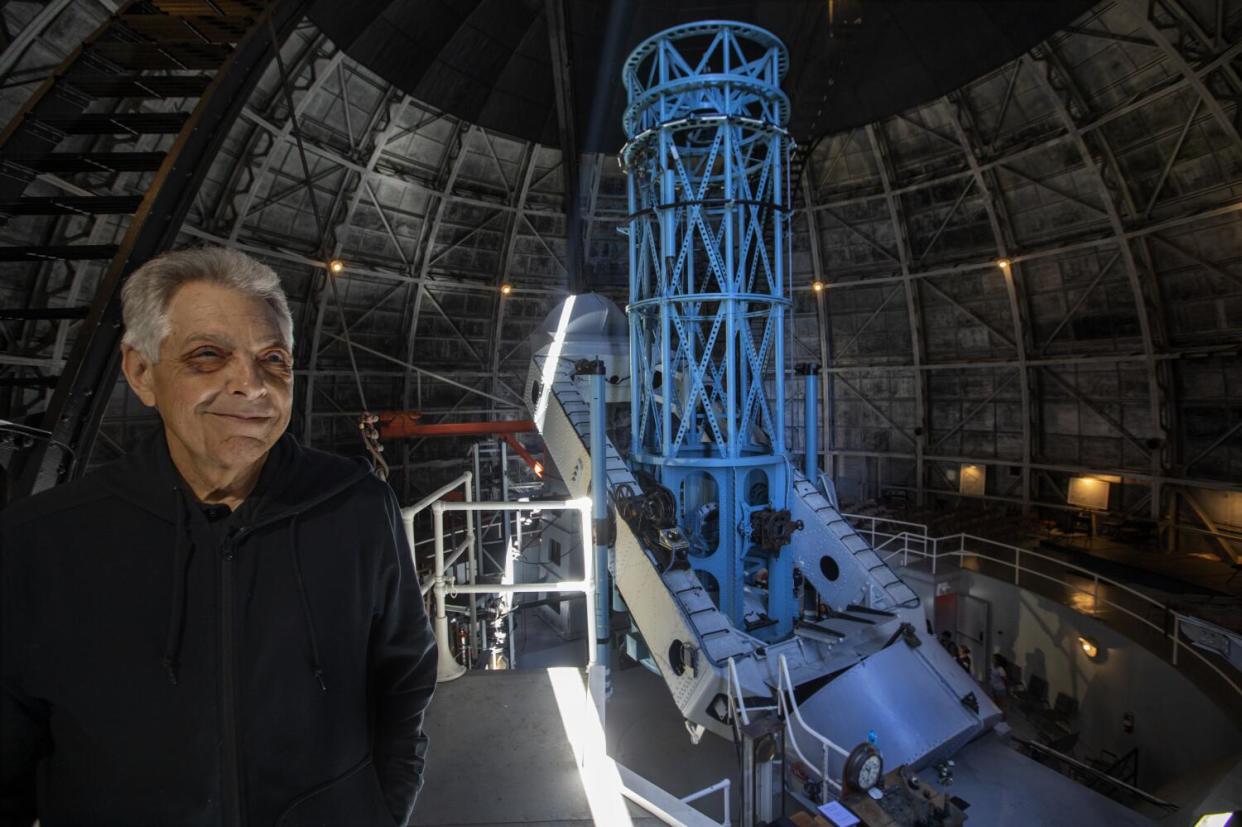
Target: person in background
(998,683)
(222,627)
(964,659)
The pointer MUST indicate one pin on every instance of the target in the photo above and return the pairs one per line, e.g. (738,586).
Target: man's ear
(139,372)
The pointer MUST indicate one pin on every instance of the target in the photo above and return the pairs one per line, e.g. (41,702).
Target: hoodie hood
(294,478)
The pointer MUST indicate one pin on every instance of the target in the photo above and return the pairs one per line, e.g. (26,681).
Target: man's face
(224,382)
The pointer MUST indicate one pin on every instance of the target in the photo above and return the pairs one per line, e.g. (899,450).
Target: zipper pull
(229,548)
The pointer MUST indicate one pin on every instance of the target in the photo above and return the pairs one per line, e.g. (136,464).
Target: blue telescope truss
(706,159)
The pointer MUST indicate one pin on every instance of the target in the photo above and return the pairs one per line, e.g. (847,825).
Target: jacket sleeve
(403,671)
(24,734)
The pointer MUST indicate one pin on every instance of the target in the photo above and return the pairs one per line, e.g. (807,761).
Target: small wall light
(1002,263)
(336,266)
(506,289)
(817,286)
(1089,647)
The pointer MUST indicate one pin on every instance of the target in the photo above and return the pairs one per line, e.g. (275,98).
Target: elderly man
(223,627)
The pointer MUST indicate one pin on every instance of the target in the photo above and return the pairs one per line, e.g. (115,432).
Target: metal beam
(1161,410)
(822,319)
(395,110)
(557,14)
(1033,254)
(913,305)
(1095,408)
(505,262)
(1227,552)
(1138,13)
(862,397)
(1069,314)
(964,127)
(961,423)
(975,317)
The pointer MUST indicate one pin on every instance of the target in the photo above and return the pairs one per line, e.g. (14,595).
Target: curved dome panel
(487,61)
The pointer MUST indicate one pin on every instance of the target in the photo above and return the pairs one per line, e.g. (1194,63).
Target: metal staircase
(168,74)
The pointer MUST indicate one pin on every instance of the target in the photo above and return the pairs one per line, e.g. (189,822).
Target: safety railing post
(471,571)
(447,667)
(823,787)
(1177,633)
(1017,564)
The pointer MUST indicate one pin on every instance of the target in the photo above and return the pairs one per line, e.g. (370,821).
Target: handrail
(933,550)
(1099,775)
(788,704)
(789,712)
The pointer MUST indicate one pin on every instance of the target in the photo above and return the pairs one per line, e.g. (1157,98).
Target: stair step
(28,381)
(209,8)
(132,123)
(43,313)
(70,162)
(204,28)
(63,252)
(139,86)
(71,204)
(168,55)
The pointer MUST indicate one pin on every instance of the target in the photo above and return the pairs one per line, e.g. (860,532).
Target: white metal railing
(791,713)
(724,786)
(442,586)
(870,524)
(955,547)
(788,709)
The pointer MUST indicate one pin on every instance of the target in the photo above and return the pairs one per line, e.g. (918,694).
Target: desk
(902,805)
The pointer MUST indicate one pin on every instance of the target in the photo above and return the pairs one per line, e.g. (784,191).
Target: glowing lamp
(1089,647)
(817,286)
(336,266)
(506,289)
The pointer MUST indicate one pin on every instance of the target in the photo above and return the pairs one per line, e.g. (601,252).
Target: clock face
(869,772)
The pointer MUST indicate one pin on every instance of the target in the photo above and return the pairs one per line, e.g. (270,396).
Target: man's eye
(276,359)
(207,353)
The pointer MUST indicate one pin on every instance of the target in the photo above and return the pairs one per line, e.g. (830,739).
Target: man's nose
(246,378)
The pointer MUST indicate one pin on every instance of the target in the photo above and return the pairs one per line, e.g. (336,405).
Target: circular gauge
(863,768)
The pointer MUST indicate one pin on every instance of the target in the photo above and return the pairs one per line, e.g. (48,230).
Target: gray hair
(149,289)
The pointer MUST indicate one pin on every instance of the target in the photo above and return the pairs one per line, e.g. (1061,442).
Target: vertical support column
(810,372)
(599,518)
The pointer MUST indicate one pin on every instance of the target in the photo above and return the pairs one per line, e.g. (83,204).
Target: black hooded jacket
(166,663)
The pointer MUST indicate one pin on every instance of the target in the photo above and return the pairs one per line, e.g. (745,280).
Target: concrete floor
(499,753)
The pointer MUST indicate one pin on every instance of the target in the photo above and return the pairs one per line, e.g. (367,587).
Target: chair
(1036,694)
(1065,707)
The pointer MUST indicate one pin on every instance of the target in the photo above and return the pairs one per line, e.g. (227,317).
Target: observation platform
(500,753)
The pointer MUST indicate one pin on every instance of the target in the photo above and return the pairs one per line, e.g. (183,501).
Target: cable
(37,433)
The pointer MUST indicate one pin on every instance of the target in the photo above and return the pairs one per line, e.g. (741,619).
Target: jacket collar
(294,479)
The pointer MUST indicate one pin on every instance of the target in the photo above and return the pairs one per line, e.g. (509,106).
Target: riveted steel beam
(914,307)
(962,121)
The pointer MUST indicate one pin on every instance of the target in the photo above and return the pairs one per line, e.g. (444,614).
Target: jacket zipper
(228,685)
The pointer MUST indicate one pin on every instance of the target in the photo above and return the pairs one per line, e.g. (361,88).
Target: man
(223,627)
